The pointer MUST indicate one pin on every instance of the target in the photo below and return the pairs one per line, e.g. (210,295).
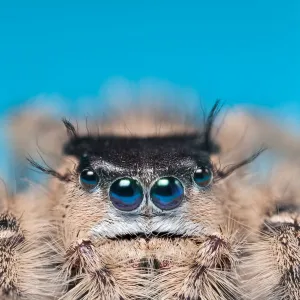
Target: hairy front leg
(27,265)
(203,268)
(272,269)
(101,269)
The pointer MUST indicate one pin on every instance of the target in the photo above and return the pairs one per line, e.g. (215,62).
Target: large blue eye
(89,179)
(167,193)
(203,177)
(126,194)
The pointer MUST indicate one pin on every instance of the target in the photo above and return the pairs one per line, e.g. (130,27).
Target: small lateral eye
(89,179)
(203,177)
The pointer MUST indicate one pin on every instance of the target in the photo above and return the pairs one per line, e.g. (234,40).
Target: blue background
(239,51)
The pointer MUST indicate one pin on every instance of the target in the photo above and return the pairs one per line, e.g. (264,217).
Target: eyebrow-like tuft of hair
(47,170)
(72,133)
(231,168)
(208,144)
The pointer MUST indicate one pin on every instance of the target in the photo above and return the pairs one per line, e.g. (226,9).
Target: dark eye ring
(89,179)
(203,177)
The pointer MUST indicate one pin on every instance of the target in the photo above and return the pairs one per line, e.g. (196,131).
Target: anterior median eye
(126,194)
(203,177)
(167,193)
(89,179)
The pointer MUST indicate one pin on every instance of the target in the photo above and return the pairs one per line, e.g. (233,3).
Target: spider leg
(272,269)
(205,269)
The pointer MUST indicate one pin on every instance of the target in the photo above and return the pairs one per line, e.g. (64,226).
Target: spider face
(146,186)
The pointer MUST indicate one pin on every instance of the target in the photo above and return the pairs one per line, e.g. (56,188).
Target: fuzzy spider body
(144,215)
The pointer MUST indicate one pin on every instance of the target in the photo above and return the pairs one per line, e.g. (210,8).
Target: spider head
(146,186)
(150,188)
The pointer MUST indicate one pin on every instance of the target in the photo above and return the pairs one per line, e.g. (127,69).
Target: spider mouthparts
(147,236)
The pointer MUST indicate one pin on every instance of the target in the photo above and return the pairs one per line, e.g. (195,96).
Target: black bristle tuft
(72,133)
(48,170)
(208,144)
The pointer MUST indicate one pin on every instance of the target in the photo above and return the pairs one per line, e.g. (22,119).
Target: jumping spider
(145,217)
